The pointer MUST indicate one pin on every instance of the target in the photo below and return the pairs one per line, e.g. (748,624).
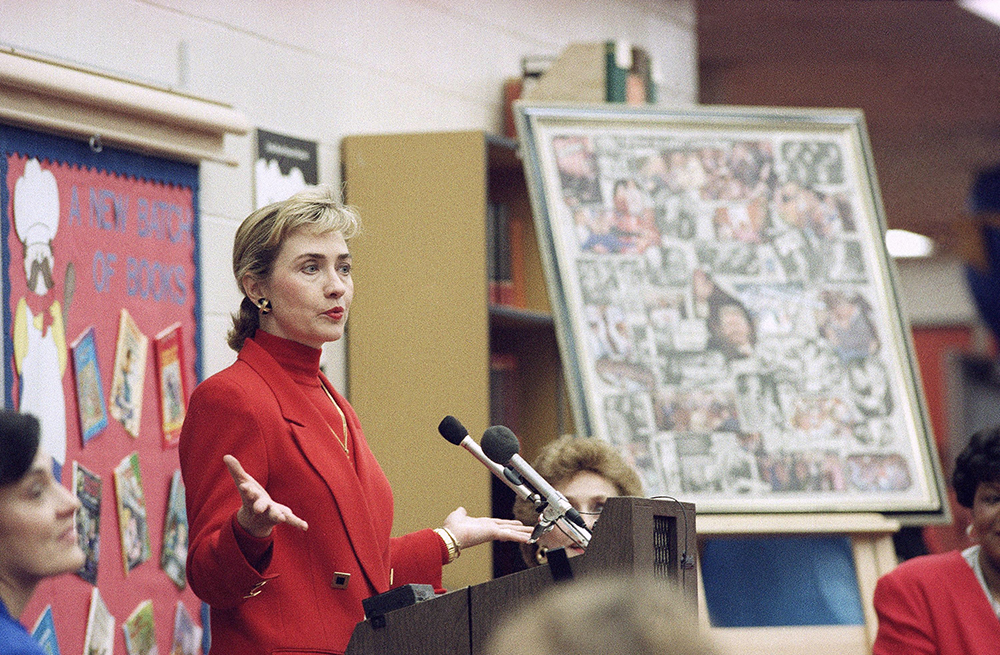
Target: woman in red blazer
(949,603)
(289,513)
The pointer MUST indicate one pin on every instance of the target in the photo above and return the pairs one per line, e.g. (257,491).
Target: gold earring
(264,305)
(542,555)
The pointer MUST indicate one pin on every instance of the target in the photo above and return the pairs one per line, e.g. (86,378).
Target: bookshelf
(423,332)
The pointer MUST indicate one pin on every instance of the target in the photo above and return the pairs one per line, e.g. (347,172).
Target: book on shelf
(206,627)
(100,636)
(187,633)
(169,355)
(515,88)
(628,74)
(44,632)
(133,523)
(91,410)
(505,255)
(87,487)
(173,559)
(503,390)
(129,374)
(607,71)
(140,631)
(498,252)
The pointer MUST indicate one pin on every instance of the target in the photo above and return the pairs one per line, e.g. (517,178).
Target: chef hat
(36,204)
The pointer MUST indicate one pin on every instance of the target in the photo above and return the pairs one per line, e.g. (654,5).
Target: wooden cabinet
(422,331)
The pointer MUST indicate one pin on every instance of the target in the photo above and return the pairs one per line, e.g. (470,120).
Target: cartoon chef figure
(39,333)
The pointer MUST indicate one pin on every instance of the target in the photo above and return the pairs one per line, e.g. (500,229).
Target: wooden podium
(634,536)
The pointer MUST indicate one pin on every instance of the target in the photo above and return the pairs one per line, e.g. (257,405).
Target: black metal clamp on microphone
(455,432)
(502,446)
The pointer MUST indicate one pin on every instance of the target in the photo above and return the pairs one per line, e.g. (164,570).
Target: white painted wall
(934,293)
(324,69)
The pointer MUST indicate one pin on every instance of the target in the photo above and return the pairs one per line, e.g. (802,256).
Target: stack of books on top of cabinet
(605,71)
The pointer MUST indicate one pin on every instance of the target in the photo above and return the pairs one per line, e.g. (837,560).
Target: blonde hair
(262,233)
(608,614)
(562,459)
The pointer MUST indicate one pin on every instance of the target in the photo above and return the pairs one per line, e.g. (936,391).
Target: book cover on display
(125,399)
(175,534)
(100,637)
(93,413)
(132,517)
(140,633)
(87,487)
(170,378)
(44,632)
(187,633)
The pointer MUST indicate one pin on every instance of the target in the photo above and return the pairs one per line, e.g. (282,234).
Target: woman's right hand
(259,513)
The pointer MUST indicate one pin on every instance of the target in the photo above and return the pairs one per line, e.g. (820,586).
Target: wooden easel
(874,555)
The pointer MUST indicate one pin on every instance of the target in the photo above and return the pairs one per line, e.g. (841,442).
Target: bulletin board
(726,307)
(101,339)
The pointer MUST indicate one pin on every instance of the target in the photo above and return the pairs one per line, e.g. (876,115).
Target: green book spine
(614,76)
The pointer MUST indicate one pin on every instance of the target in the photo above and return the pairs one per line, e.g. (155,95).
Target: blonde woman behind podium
(587,472)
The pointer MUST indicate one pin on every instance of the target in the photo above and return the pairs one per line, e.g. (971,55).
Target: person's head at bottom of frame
(607,614)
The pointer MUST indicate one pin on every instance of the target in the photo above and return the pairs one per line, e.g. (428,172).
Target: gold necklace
(343,421)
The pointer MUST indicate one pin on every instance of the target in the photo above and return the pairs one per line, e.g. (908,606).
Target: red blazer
(934,604)
(254,411)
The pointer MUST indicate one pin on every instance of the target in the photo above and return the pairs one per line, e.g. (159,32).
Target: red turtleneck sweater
(301,362)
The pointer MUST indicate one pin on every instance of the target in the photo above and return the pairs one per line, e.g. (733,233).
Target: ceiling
(926,73)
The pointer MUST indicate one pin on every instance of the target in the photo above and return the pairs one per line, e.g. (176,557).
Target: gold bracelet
(454,549)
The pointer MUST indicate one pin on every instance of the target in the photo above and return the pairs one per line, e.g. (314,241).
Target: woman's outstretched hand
(259,513)
(470,530)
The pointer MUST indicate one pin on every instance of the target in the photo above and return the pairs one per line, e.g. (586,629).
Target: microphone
(502,446)
(456,433)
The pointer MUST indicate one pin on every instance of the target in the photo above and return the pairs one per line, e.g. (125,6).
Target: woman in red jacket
(949,603)
(286,544)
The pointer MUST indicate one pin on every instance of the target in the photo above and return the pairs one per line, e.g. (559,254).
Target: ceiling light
(988,9)
(903,243)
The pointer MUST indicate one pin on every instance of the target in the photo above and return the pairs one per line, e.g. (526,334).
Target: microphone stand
(549,517)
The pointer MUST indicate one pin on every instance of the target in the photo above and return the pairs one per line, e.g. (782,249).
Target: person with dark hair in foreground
(37,527)
(610,615)
(949,603)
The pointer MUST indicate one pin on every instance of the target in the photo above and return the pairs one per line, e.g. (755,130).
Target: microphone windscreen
(452,430)
(500,444)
